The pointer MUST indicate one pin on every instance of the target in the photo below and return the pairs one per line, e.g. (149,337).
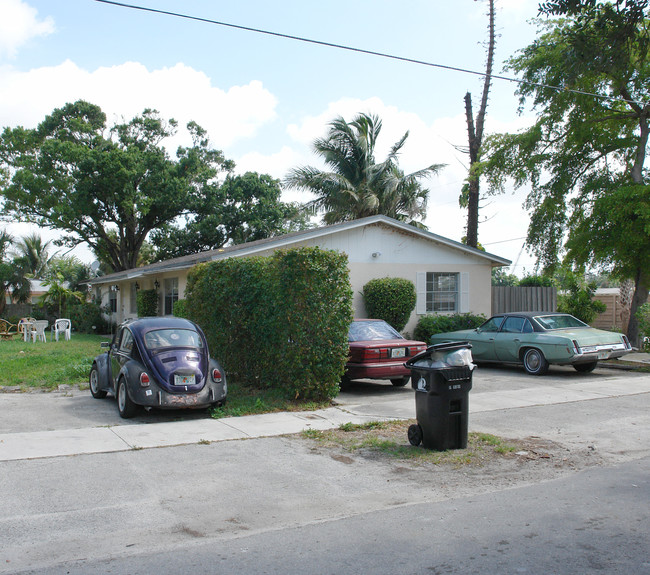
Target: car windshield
(161,338)
(371,330)
(559,321)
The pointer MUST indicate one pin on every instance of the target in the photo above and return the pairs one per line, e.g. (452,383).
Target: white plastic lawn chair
(63,326)
(38,330)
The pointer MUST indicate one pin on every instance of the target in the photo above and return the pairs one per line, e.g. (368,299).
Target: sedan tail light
(144,379)
(216,375)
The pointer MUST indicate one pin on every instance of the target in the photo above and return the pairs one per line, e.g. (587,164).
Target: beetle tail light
(216,375)
(144,379)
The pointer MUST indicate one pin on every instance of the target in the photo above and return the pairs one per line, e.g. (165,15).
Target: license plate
(398,352)
(603,354)
(184,379)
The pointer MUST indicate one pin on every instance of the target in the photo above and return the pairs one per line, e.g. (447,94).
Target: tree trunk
(641,288)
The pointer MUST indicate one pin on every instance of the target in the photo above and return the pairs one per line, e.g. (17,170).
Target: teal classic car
(539,339)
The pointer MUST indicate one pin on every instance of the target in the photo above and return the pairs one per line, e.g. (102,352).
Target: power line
(364,51)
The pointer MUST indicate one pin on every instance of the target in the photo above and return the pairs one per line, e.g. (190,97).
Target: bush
(432,324)
(180,308)
(578,300)
(536,281)
(279,322)
(85,316)
(147,302)
(643,315)
(390,299)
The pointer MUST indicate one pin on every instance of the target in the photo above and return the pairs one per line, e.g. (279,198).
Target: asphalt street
(257,500)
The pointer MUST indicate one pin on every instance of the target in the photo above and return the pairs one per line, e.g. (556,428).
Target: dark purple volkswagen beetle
(158,362)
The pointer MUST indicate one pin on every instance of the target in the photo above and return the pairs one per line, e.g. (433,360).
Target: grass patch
(48,365)
(250,400)
(389,439)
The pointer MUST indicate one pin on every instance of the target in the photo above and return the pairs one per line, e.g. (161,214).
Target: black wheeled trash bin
(442,378)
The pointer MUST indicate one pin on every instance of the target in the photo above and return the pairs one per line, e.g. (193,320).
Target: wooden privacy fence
(515,298)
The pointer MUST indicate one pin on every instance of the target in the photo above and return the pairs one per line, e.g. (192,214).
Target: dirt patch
(488,462)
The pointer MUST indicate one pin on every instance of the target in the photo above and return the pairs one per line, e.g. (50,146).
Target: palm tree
(357,186)
(33,254)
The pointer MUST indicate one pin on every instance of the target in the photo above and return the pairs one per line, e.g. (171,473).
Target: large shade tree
(356,185)
(585,156)
(106,187)
(244,208)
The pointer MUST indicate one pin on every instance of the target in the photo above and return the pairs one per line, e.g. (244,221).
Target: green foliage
(278,322)
(358,186)
(147,303)
(243,209)
(536,281)
(584,158)
(13,274)
(501,278)
(59,298)
(643,315)
(84,316)
(74,174)
(432,324)
(578,301)
(390,299)
(180,308)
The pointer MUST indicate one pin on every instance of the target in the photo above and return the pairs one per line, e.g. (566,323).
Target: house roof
(287,240)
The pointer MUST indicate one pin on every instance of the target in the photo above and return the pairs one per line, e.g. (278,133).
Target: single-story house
(450,277)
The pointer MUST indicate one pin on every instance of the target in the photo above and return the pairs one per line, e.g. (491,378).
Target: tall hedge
(277,322)
(147,302)
(390,299)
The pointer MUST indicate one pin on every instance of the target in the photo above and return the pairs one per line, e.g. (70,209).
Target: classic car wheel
(534,362)
(401,382)
(415,434)
(585,367)
(93,381)
(124,404)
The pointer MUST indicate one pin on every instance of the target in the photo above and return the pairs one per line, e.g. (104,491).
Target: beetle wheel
(415,434)
(93,381)
(125,406)
(534,362)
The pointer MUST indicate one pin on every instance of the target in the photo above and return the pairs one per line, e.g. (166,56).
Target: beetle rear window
(161,338)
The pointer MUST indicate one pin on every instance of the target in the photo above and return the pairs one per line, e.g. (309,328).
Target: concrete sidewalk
(40,444)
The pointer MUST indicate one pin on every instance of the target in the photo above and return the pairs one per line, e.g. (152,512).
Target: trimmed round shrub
(390,299)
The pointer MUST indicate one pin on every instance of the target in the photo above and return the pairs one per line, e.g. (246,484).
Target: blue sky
(264,99)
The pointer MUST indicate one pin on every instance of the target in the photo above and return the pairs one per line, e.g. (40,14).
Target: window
(442,292)
(126,345)
(171,294)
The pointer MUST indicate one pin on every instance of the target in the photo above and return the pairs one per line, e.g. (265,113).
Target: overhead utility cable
(363,51)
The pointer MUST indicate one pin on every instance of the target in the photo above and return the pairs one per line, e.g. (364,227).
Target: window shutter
(421,293)
(464,292)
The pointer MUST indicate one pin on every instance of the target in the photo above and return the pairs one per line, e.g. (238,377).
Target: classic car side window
(528,327)
(126,345)
(492,324)
(513,325)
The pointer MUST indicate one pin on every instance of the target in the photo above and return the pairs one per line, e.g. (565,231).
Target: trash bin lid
(438,348)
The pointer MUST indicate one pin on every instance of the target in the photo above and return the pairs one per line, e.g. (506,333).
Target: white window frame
(426,305)
(170,293)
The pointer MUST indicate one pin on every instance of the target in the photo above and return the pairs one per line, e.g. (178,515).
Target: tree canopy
(588,78)
(357,186)
(73,174)
(244,208)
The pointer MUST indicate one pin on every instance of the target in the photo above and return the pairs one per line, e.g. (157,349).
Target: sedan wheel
(585,367)
(93,380)
(401,382)
(534,362)
(125,406)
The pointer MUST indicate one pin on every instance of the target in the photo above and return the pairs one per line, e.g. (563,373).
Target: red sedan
(378,351)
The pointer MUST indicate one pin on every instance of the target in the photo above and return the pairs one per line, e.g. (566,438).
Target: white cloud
(18,25)
(125,90)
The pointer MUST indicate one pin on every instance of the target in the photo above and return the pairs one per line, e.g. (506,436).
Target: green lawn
(48,364)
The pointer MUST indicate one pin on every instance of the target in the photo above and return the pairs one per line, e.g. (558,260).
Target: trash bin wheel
(415,434)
